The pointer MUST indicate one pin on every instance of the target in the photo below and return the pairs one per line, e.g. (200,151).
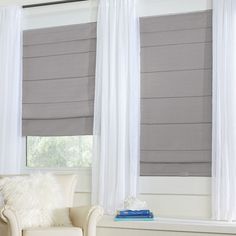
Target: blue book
(150,215)
(133,219)
(131,213)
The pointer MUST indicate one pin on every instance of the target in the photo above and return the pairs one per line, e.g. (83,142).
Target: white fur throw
(37,200)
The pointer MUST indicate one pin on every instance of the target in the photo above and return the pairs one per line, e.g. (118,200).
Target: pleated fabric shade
(58,80)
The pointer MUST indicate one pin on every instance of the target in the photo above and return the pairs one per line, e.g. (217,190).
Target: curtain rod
(50,3)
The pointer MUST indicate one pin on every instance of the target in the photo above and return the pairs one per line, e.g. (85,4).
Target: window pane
(59,152)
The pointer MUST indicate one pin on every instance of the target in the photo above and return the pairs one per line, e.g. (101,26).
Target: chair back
(68,184)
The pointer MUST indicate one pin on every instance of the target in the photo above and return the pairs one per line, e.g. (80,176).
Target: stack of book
(137,215)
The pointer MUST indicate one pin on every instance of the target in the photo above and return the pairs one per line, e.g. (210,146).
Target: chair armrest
(86,217)
(3,228)
(8,216)
(1,215)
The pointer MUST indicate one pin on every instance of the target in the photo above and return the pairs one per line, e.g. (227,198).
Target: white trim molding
(166,226)
(179,197)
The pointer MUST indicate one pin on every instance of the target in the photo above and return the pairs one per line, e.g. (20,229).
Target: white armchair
(84,219)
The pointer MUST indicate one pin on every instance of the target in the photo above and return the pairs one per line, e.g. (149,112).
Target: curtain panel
(224,110)
(117,105)
(10,89)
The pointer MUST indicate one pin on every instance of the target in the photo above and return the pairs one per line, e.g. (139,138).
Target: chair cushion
(53,231)
(3,229)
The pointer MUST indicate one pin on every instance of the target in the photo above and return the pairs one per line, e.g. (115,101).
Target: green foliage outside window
(59,152)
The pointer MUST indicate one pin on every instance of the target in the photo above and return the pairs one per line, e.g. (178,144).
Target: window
(59,151)
(58,96)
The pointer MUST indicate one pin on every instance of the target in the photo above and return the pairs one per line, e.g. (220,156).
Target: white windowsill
(171,224)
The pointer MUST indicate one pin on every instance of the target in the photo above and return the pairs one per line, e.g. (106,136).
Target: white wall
(175,197)
(81,12)
(184,197)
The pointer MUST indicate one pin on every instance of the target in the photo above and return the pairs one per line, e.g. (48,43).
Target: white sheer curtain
(117,104)
(224,110)
(10,89)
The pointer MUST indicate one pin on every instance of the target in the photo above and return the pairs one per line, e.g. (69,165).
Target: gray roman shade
(58,80)
(176,78)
